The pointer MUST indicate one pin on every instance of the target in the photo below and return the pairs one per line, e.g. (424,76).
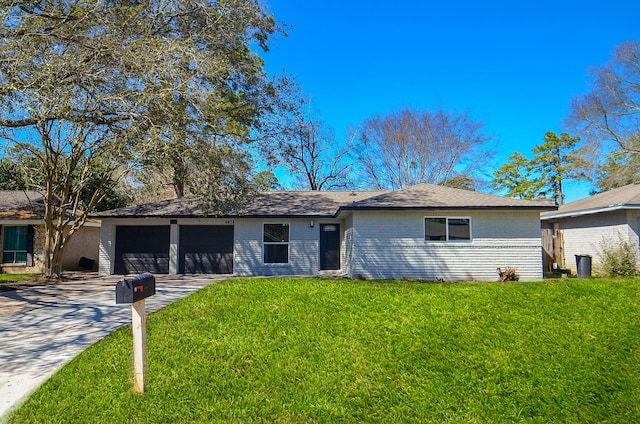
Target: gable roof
(17,204)
(280,204)
(270,203)
(305,203)
(627,197)
(429,196)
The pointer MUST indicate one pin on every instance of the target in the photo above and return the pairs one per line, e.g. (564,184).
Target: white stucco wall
(392,245)
(83,243)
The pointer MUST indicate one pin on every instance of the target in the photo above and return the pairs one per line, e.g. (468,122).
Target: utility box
(135,289)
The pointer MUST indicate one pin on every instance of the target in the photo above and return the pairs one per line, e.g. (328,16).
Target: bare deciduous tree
(409,147)
(308,148)
(619,169)
(610,112)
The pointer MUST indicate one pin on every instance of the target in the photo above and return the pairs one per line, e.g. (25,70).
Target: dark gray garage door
(142,249)
(206,249)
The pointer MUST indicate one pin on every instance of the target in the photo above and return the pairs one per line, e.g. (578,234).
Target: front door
(329,246)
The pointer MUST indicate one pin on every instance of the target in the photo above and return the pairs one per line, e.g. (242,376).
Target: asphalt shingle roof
(428,196)
(627,196)
(329,203)
(16,204)
(272,203)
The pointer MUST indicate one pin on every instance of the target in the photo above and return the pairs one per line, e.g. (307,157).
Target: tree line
(110,103)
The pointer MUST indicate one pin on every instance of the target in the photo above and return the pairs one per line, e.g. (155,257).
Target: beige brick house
(22,236)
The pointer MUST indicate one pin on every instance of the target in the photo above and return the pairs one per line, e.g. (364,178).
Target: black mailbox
(135,289)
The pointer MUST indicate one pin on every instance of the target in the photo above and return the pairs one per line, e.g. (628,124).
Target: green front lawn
(10,282)
(12,278)
(305,350)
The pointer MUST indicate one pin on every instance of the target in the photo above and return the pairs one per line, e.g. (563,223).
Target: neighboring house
(422,232)
(22,235)
(579,228)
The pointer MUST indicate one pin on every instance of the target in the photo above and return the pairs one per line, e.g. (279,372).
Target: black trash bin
(583,265)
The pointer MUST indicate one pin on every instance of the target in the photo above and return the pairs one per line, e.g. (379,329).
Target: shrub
(509,274)
(618,258)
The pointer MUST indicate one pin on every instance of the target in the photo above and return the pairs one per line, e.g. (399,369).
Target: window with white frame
(447,229)
(14,244)
(276,243)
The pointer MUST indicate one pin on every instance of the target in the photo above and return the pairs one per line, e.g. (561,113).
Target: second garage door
(206,249)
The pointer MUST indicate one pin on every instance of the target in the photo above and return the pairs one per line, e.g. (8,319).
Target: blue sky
(513,65)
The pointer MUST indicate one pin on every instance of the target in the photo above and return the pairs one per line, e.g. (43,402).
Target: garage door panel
(205,263)
(142,249)
(206,249)
(137,263)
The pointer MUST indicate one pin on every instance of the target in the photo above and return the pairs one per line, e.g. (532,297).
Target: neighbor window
(447,229)
(276,243)
(14,245)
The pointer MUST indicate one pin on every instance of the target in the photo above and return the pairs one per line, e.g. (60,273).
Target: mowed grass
(11,278)
(10,282)
(306,350)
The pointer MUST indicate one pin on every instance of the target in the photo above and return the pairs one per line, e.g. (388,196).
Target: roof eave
(327,215)
(610,208)
(191,216)
(414,208)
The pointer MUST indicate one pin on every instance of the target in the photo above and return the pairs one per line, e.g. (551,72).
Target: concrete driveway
(43,328)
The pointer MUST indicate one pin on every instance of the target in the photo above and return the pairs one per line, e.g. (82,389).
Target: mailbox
(134,289)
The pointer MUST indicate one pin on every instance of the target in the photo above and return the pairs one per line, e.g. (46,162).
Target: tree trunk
(179,177)
(55,222)
(57,256)
(55,243)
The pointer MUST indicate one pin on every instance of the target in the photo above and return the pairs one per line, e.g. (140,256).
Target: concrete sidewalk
(43,328)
